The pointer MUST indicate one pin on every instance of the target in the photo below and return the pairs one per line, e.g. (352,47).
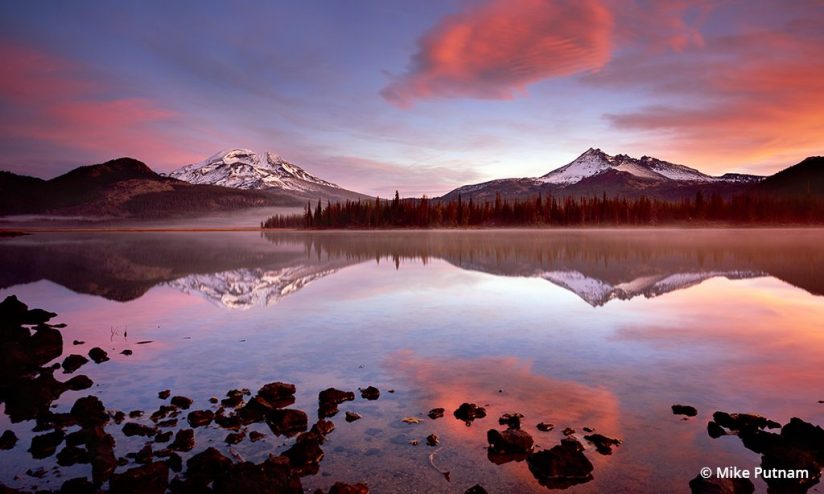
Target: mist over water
(598,329)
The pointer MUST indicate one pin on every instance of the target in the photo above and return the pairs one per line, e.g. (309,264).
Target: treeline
(553,211)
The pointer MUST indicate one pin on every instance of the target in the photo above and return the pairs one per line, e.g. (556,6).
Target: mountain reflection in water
(242,270)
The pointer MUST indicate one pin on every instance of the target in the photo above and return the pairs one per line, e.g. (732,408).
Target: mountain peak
(242,168)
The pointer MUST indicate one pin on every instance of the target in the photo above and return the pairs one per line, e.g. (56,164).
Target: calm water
(594,329)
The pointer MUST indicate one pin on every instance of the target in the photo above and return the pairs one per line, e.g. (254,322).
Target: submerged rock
(306,450)
(511,420)
(98,355)
(686,410)
(432,440)
(164,394)
(544,427)
(8,440)
(287,422)
(181,402)
(135,429)
(475,489)
(342,488)
(700,485)
(73,362)
(147,479)
(370,393)
(352,416)
(436,413)
(184,440)
(469,412)
(562,466)
(602,443)
(330,398)
(89,411)
(199,418)
(509,441)
(45,445)
(277,394)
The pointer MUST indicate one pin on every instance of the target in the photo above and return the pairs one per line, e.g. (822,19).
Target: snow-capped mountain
(247,288)
(245,169)
(598,292)
(595,172)
(594,162)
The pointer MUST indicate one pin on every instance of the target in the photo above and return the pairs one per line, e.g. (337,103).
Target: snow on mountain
(594,162)
(245,169)
(597,292)
(246,288)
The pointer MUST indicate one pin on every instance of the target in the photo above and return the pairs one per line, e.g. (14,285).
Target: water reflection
(239,271)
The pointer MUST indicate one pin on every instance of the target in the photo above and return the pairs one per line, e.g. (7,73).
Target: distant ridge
(596,172)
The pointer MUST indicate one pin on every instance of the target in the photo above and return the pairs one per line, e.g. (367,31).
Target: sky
(416,96)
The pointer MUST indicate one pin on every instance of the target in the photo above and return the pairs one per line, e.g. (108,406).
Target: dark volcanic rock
(79,383)
(164,394)
(145,455)
(330,398)
(234,399)
(432,440)
(79,485)
(71,455)
(98,355)
(147,479)
(278,394)
(126,352)
(475,489)
(603,444)
(469,412)
(436,413)
(163,437)
(306,450)
(352,416)
(73,362)
(287,422)
(341,488)
(686,410)
(739,422)
(370,393)
(8,440)
(184,440)
(89,411)
(181,402)
(206,466)
(544,427)
(700,485)
(273,476)
(199,418)
(235,437)
(560,467)
(45,445)
(256,436)
(101,451)
(134,429)
(714,430)
(323,428)
(511,420)
(509,441)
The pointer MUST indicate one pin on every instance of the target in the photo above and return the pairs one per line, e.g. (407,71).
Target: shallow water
(597,329)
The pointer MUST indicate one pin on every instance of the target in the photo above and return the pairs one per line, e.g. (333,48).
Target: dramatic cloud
(758,99)
(496,50)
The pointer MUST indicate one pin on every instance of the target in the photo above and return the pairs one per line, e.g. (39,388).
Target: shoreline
(21,231)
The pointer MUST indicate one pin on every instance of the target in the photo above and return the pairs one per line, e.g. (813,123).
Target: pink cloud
(496,50)
(758,100)
(56,106)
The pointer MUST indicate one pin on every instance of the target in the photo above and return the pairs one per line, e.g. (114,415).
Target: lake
(596,329)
